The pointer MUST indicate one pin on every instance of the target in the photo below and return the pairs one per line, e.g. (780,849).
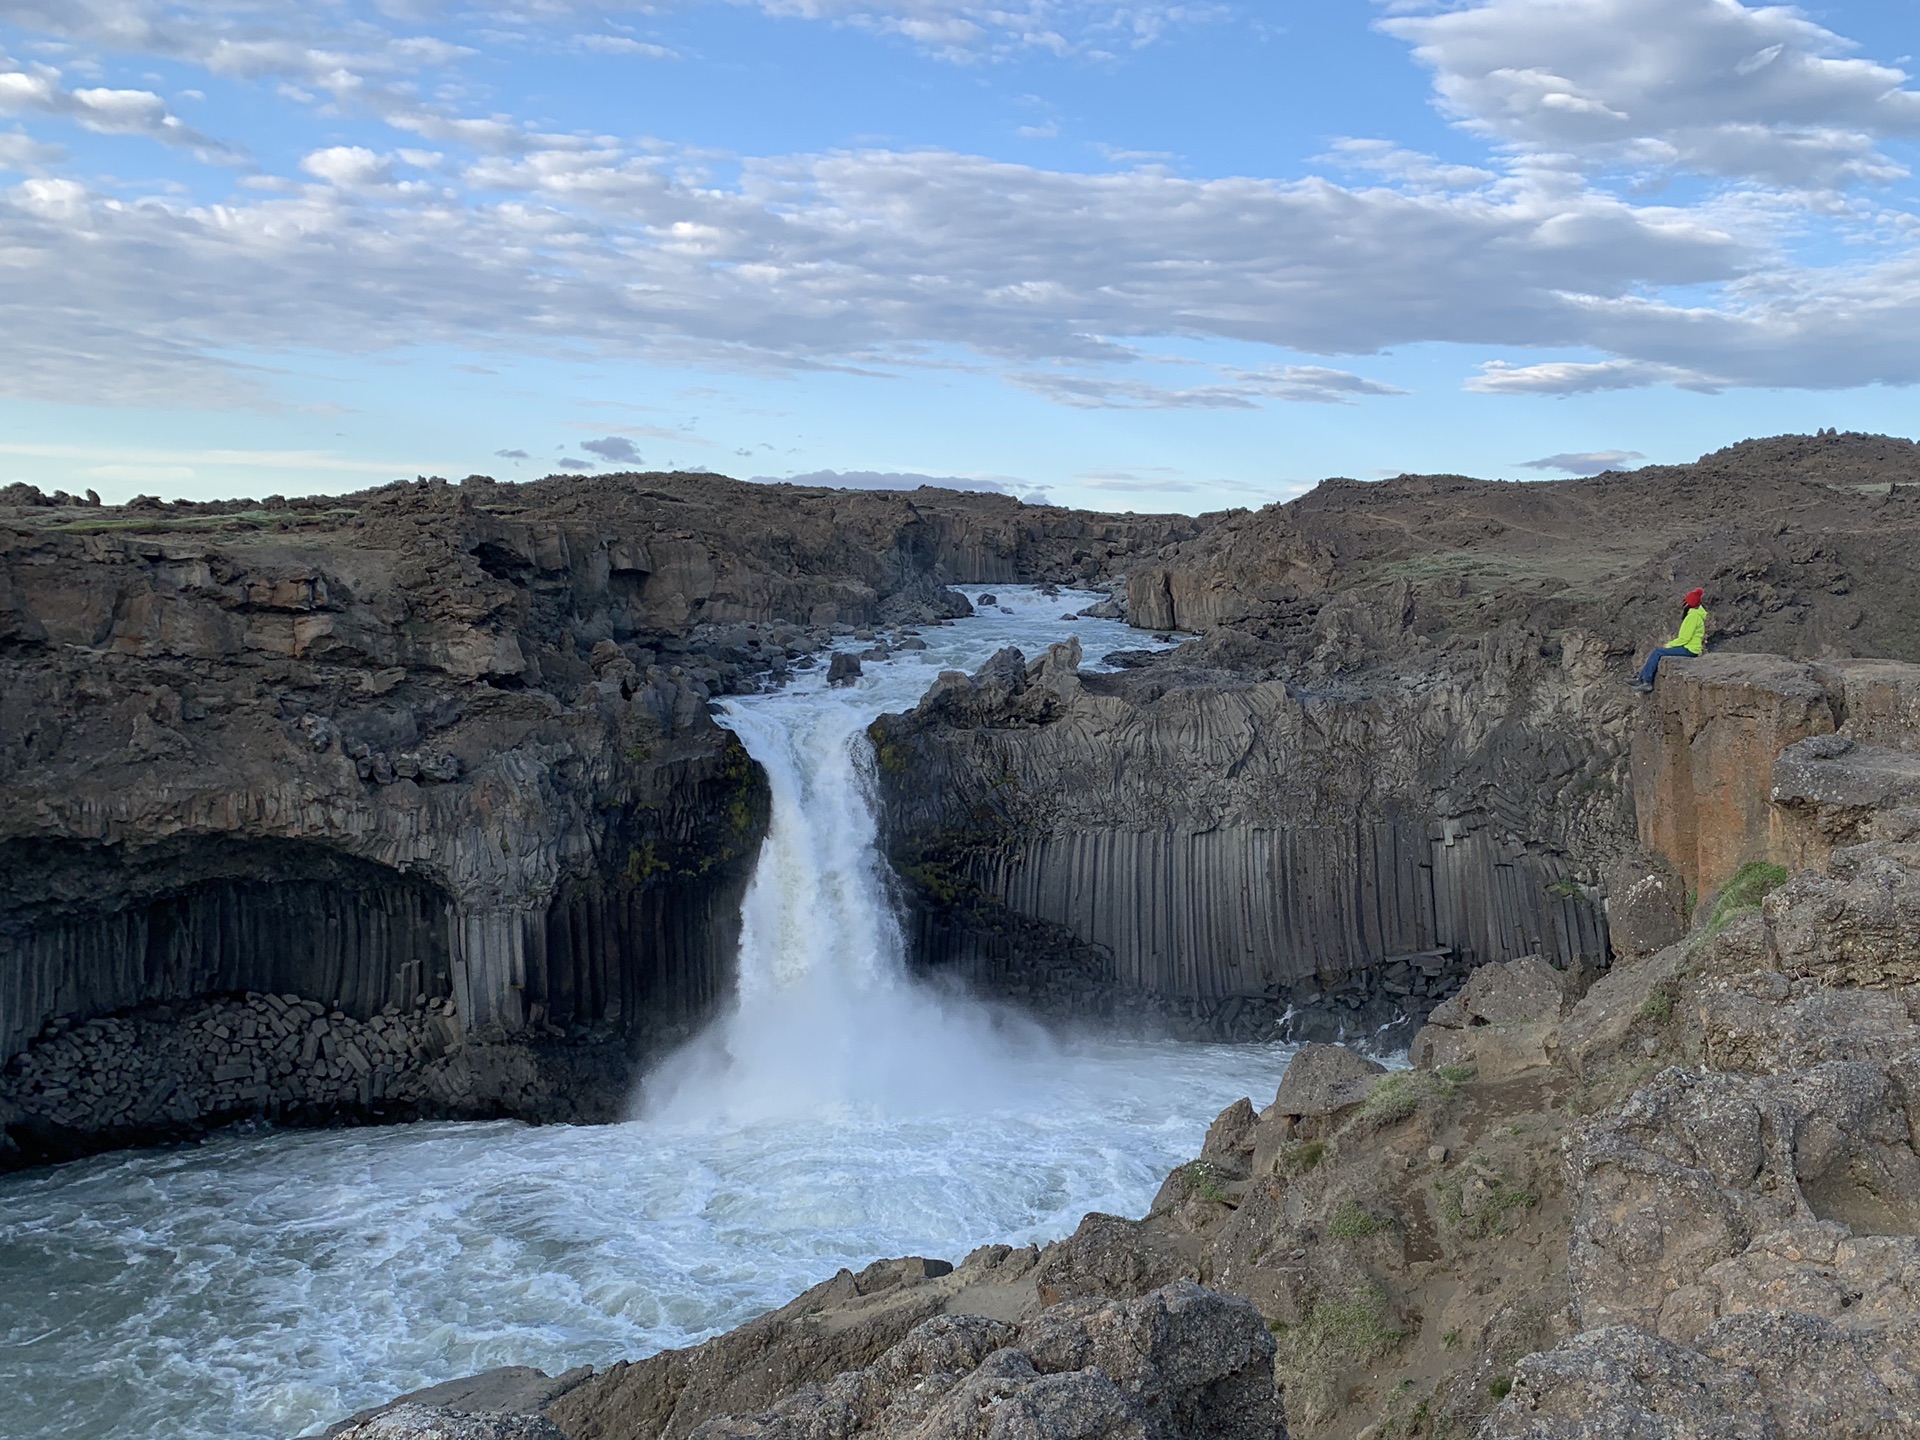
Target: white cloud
(1710,87)
(21,153)
(1497,377)
(624,45)
(863,260)
(348,165)
(613,449)
(966,29)
(1239,390)
(866,259)
(104,111)
(1585,462)
(1410,167)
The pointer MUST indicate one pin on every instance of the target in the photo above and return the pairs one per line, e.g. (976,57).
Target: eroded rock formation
(431,748)
(1404,745)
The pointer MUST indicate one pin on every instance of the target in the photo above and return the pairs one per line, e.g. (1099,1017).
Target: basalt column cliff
(410,802)
(1401,747)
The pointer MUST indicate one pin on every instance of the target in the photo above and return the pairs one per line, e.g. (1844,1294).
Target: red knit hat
(1693,598)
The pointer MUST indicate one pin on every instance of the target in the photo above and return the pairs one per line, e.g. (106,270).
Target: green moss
(1658,1007)
(1304,1156)
(1501,1388)
(1350,1222)
(892,757)
(643,863)
(1497,1197)
(241,520)
(1454,1074)
(1402,1093)
(1203,1178)
(1393,1099)
(1566,888)
(1337,1336)
(737,770)
(1749,886)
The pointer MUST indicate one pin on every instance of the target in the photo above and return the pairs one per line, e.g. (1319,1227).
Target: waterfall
(826,1015)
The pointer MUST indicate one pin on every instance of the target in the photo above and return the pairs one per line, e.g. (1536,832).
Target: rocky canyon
(409,803)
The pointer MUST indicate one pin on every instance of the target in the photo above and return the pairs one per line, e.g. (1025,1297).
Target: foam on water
(263,1283)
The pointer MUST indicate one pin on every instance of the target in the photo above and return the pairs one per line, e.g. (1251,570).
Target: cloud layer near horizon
(1066,283)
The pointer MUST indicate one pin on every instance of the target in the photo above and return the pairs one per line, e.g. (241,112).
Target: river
(263,1283)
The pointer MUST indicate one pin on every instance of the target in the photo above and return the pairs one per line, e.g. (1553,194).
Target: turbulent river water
(263,1283)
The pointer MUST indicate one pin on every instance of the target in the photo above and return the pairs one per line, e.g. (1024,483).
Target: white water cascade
(826,1017)
(264,1283)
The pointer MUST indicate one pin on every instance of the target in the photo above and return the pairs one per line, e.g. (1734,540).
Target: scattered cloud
(1497,377)
(625,45)
(613,449)
(1409,167)
(1241,390)
(1585,462)
(872,260)
(684,434)
(99,109)
(967,30)
(569,462)
(1705,87)
(512,455)
(350,165)
(23,153)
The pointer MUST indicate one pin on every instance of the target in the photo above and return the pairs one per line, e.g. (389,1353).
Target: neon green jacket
(1693,631)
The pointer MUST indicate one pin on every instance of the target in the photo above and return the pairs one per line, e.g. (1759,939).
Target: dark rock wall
(1236,910)
(1206,841)
(294,918)
(650,961)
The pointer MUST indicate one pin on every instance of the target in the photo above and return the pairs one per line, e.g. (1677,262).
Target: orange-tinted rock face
(1721,777)
(1703,759)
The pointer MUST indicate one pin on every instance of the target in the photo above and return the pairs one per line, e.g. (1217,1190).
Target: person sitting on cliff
(1691,640)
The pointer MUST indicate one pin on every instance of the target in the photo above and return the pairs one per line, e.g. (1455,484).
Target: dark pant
(1652,667)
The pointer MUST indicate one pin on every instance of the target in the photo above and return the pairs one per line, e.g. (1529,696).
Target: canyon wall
(1224,846)
(430,750)
(1404,743)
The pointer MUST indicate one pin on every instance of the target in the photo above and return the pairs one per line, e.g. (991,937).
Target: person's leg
(1652,667)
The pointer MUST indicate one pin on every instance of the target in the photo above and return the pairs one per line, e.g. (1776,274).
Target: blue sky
(1134,256)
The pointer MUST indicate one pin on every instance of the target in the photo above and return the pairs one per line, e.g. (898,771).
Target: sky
(1157,255)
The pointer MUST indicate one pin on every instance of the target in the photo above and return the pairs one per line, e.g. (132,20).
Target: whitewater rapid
(265,1283)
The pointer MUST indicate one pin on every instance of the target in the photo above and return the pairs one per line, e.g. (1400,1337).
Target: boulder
(843,669)
(1325,1079)
(502,1404)
(1646,905)
(1516,992)
(1857,925)
(1501,1023)
(411,1421)
(1751,1377)
(1111,1257)
(1180,1363)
